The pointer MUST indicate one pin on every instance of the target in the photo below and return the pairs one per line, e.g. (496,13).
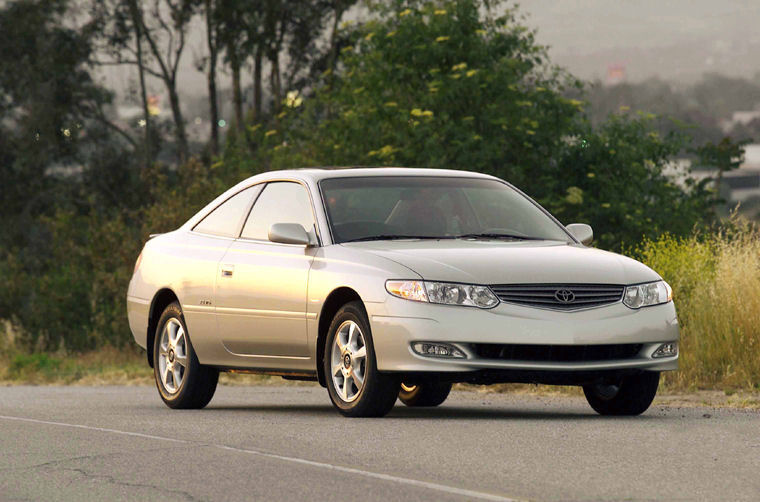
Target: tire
(355,386)
(632,396)
(427,393)
(192,385)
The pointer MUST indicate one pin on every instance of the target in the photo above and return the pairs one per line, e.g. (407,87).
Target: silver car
(386,283)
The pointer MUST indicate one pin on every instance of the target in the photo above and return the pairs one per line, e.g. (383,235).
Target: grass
(102,367)
(716,285)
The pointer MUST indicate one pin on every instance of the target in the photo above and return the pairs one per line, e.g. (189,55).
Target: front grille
(559,296)
(556,353)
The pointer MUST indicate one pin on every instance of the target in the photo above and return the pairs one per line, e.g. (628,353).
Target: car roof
(316,174)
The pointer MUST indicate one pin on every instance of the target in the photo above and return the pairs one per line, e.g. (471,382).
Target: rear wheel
(355,386)
(630,396)
(427,393)
(183,383)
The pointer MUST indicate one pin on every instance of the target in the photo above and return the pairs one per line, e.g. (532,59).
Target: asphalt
(287,443)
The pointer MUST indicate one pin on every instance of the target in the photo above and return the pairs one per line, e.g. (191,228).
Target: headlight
(645,295)
(446,293)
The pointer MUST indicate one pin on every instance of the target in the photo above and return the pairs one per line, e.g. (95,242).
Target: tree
(51,110)
(210,8)
(723,156)
(453,85)
(162,25)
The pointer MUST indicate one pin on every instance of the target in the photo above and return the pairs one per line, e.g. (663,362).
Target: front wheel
(355,386)
(183,383)
(427,393)
(632,395)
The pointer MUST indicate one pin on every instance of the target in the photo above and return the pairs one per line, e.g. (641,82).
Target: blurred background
(121,118)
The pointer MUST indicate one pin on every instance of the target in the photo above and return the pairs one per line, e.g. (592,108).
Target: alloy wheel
(172,356)
(349,361)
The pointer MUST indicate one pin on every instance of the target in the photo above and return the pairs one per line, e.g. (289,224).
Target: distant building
(739,118)
(737,186)
(615,74)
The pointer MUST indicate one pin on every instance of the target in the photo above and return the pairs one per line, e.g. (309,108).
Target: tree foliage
(444,85)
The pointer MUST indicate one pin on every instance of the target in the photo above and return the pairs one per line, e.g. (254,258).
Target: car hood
(498,262)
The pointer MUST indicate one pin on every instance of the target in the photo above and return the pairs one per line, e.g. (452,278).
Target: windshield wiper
(389,237)
(487,235)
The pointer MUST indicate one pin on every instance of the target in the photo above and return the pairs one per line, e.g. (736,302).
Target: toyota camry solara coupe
(386,283)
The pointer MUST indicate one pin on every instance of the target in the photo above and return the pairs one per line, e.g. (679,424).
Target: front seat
(414,216)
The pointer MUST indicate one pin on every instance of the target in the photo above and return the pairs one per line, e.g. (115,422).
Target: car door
(261,285)
(198,257)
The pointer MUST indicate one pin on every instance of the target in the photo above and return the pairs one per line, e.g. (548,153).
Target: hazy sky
(674,39)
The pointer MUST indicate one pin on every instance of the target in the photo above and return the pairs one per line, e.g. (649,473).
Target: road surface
(287,443)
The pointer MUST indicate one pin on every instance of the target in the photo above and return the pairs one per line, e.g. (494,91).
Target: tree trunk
(257,64)
(334,42)
(136,20)
(237,96)
(212,94)
(274,81)
(179,122)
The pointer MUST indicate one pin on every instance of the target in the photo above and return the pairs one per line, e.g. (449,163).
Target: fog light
(669,349)
(437,350)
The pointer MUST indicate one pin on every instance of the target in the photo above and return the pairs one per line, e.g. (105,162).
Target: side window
(280,202)
(225,220)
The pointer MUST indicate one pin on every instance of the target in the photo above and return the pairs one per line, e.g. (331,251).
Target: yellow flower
(369,35)
(529,132)
(460,66)
(441,39)
(418,112)
(606,205)
(471,73)
(624,108)
(385,151)
(391,104)
(347,48)
(440,12)
(293,100)
(405,12)
(480,32)
(477,137)
(271,132)
(390,33)
(456,76)
(591,175)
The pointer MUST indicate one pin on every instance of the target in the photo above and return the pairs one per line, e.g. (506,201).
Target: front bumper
(397,323)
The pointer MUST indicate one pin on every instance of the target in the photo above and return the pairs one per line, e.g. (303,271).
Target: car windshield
(428,207)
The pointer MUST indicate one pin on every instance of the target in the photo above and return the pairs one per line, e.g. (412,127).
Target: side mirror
(582,232)
(289,233)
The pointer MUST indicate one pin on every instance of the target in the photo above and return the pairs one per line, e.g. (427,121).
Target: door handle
(227,270)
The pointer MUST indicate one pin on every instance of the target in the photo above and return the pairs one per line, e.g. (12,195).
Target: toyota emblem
(564,296)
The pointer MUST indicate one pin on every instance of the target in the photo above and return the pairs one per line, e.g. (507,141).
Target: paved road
(287,443)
